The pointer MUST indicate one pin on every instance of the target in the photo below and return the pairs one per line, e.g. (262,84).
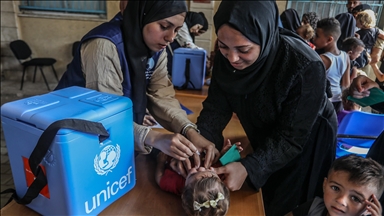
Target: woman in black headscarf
(275,84)
(359,8)
(290,19)
(126,56)
(148,27)
(195,24)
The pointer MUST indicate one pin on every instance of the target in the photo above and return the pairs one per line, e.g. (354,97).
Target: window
(83,7)
(330,8)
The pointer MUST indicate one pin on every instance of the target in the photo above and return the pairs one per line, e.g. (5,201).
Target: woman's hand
(149,120)
(174,145)
(234,175)
(180,167)
(360,86)
(203,145)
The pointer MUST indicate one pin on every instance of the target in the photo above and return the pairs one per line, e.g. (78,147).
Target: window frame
(335,7)
(67,7)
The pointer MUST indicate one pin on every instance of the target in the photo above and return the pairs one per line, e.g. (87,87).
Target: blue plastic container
(84,176)
(196,59)
(363,127)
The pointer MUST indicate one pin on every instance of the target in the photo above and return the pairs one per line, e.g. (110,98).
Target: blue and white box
(84,176)
(195,61)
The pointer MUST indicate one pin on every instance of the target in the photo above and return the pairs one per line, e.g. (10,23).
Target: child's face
(301,31)
(196,29)
(355,53)
(342,197)
(358,24)
(199,173)
(320,40)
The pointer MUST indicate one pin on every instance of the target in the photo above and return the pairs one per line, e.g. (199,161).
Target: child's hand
(238,146)
(373,207)
(228,145)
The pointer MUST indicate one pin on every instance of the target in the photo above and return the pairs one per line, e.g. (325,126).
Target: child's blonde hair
(208,196)
(367,18)
(307,31)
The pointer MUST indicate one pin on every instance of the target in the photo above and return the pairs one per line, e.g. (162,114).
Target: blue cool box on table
(188,68)
(84,176)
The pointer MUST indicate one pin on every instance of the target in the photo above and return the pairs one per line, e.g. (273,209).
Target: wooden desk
(193,93)
(146,198)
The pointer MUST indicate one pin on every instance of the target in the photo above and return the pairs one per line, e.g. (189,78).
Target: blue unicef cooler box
(84,175)
(188,68)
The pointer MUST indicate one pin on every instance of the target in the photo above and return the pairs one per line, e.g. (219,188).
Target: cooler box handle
(42,147)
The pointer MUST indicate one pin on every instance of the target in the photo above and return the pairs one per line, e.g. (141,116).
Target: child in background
(336,62)
(353,187)
(306,32)
(353,47)
(310,18)
(348,106)
(203,192)
(368,33)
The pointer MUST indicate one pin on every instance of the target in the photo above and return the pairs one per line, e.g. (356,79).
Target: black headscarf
(136,15)
(290,19)
(258,21)
(205,25)
(347,26)
(193,18)
(361,7)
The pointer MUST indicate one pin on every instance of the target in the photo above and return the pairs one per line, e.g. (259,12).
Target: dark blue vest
(112,31)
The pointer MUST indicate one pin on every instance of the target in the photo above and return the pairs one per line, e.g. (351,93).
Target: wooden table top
(146,198)
(191,93)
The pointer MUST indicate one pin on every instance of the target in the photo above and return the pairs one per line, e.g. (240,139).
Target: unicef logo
(150,64)
(107,159)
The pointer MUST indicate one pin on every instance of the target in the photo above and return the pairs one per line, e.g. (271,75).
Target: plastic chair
(22,52)
(357,132)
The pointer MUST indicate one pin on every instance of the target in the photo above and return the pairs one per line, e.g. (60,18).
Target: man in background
(352,4)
